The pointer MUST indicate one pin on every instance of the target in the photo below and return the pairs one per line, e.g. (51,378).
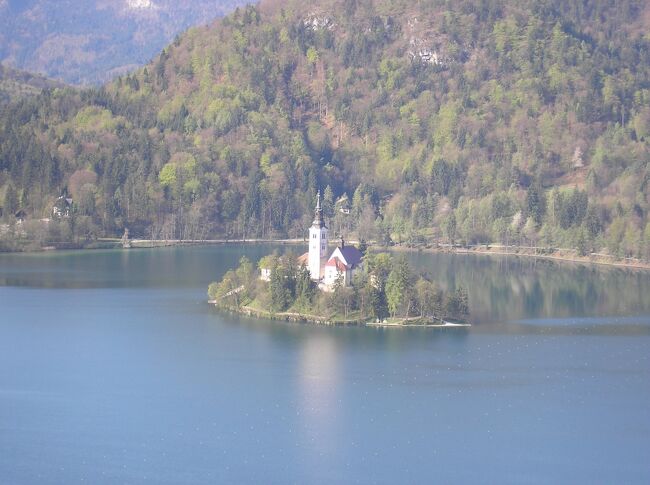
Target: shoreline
(557,254)
(560,255)
(417,322)
(157,243)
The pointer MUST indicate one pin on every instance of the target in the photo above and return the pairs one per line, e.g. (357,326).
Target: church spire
(317,242)
(318,213)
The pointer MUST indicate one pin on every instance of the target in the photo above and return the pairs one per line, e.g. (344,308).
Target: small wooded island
(351,286)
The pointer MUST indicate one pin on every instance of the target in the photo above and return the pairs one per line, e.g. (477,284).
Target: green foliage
(536,203)
(384,286)
(283,284)
(97,120)
(457,305)
(529,127)
(305,288)
(450,228)
(399,288)
(10,203)
(429,299)
(167,176)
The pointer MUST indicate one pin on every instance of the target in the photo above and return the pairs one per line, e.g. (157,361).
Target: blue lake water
(113,369)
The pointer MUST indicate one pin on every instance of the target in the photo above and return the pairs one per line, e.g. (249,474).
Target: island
(350,286)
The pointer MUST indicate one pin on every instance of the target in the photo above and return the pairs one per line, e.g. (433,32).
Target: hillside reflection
(501,289)
(511,288)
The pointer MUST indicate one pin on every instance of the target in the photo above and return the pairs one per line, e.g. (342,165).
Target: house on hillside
(20,216)
(62,207)
(343,204)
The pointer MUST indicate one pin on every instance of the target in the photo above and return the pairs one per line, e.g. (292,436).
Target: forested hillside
(15,84)
(92,41)
(521,122)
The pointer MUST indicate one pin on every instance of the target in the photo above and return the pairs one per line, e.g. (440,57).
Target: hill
(15,84)
(474,121)
(89,42)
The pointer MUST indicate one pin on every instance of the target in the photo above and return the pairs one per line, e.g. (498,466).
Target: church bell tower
(317,241)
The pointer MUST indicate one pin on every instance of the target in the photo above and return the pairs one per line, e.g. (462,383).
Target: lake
(114,369)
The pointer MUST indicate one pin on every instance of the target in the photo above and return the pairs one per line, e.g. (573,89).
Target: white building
(265,274)
(344,261)
(62,207)
(317,243)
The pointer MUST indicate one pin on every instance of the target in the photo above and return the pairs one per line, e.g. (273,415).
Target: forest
(466,122)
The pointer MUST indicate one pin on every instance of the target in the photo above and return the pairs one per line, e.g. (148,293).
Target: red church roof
(338,264)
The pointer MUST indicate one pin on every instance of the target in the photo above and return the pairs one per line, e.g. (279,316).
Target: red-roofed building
(345,261)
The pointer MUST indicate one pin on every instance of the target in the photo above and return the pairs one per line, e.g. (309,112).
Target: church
(345,261)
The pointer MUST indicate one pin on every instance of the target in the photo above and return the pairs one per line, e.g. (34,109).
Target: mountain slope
(84,42)
(477,121)
(15,84)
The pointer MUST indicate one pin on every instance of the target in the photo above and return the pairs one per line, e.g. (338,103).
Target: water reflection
(151,383)
(510,288)
(501,289)
(319,388)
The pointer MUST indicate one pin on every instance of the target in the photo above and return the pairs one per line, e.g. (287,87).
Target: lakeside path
(155,243)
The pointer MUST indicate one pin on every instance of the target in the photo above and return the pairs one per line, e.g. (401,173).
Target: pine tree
(10,205)
(328,203)
(305,288)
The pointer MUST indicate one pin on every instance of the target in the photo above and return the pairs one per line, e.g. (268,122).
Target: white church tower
(317,242)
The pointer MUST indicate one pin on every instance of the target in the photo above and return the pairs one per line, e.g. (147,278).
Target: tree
(457,305)
(227,290)
(281,296)
(615,234)
(582,241)
(379,266)
(328,203)
(377,302)
(213,290)
(399,288)
(305,288)
(450,228)
(283,283)
(536,202)
(363,247)
(342,299)
(86,198)
(426,293)
(246,275)
(10,205)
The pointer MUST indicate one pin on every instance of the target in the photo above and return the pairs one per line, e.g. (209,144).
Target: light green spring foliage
(472,104)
